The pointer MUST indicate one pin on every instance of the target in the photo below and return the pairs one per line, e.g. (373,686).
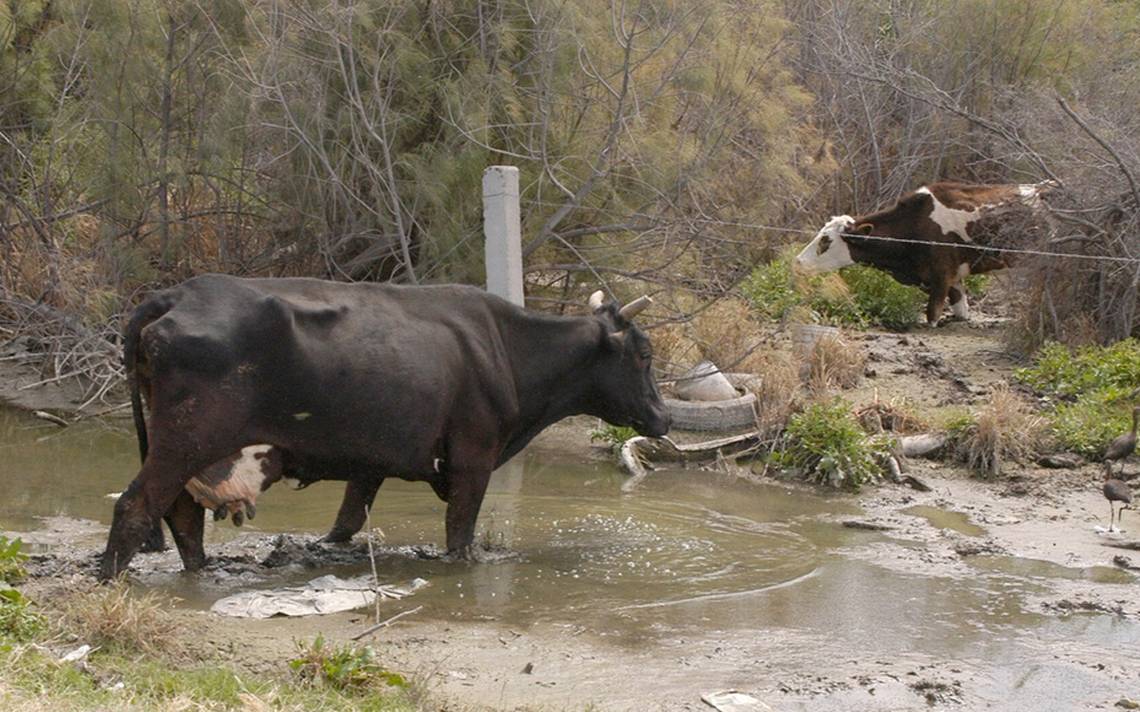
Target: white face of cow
(829,250)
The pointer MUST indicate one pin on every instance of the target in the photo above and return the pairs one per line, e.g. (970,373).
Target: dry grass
(115,617)
(725,333)
(879,416)
(834,362)
(1005,429)
(776,389)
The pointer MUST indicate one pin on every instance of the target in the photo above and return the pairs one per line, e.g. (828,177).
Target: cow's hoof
(337,536)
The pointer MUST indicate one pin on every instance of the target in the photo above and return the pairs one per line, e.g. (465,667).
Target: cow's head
(625,390)
(831,248)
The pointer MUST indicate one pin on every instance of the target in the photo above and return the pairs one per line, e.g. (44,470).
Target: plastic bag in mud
(327,594)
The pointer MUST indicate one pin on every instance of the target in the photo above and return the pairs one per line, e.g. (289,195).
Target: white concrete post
(503,232)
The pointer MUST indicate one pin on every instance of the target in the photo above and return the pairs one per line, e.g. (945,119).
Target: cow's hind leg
(959,306)
(154,541)
(358,498)
(185,520)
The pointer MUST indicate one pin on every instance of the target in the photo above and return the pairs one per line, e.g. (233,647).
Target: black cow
(359,382)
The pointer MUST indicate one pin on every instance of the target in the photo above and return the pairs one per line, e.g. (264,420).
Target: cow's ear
(863,228)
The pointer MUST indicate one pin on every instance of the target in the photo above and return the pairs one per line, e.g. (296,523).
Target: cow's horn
(596,300)
(635,307)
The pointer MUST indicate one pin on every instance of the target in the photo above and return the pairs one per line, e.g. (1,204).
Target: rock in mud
(974,547)
(867,526)
(1061,461)
(1066,606)
(1125,563)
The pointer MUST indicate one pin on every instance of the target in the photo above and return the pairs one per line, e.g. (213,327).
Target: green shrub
(857,297)
(18,622)
(11,560)
(882,300)
(771,288)
(1094,387)
(826,444)
(344,668)
(976,284)
(1089,424)
(1060,371)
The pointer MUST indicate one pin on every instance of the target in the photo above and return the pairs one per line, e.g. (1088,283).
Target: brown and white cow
(947,212)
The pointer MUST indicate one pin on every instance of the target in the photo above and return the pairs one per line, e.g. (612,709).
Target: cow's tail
(146,313)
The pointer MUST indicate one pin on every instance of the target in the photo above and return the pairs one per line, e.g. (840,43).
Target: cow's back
(365,371)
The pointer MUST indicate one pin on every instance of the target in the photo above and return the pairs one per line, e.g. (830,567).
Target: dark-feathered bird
(1116,491)
(1123,446)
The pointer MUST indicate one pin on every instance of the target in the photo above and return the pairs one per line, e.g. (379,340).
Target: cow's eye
(824,243)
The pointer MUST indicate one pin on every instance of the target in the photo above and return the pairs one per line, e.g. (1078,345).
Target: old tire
(730,414)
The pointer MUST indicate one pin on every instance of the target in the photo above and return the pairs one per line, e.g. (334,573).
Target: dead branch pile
(64,347)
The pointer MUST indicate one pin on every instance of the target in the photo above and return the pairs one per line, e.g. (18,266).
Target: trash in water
(326,594)
(733,701)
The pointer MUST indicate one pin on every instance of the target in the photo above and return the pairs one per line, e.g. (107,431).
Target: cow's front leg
(146,500)
(185,520)
(938,294)
(358,498)
(465,496)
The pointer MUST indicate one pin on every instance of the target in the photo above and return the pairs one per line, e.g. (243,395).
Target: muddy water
(689,555)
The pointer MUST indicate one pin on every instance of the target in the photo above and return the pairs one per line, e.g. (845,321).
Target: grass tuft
(114,618)
(1004,430)
(835,362)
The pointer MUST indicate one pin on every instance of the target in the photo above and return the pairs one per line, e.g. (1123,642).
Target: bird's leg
(1111,516)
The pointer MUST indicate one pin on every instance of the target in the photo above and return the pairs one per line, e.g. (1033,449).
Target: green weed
(344,668)
(1093,387)
(11,560)
(1089,424)
(976,284)
(612,435)
(881,300)
(18,622)
(826,444)
(859,296)
(1059,370)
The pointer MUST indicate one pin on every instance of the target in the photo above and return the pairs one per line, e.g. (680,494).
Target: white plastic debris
(704,382)
(733,701)
(323,595)
(76,655)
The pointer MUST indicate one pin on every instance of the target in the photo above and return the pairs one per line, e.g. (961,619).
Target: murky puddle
(943,519)
(690,553)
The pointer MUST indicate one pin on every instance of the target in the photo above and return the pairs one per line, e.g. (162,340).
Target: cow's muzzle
(656,425)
